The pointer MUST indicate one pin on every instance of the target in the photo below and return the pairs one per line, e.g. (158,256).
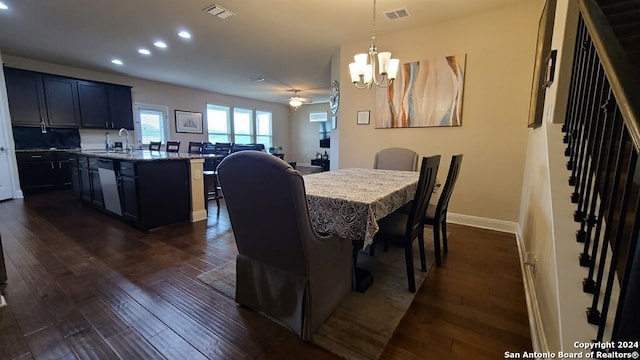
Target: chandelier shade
(373,67)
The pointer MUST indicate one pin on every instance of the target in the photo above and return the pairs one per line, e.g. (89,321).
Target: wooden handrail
(616,66)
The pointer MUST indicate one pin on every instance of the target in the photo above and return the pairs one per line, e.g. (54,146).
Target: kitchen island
(148,189)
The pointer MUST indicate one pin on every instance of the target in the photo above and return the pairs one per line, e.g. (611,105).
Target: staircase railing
(602,133)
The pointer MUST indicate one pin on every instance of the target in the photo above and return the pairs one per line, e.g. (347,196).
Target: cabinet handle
(43,127)
(36,156)
(52,166)
(106,124)
(112,125)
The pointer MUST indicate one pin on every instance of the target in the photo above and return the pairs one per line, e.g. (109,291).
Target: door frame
(6,140)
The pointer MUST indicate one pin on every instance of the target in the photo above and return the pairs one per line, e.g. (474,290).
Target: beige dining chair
(284,269)
(396,159)
(402,228)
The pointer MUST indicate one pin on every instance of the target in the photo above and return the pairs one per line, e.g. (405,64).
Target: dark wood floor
(83,285)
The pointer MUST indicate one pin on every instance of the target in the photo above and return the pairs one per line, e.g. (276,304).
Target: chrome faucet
(126,139)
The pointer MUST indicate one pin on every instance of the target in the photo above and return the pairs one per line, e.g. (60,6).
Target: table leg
(362,277)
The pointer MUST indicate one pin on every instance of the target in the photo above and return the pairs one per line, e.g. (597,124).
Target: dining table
(349,202)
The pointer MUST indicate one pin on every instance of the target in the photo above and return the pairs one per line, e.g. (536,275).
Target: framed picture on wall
(188,122)
(363,117)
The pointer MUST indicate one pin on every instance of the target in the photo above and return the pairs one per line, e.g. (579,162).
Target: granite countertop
(142,155)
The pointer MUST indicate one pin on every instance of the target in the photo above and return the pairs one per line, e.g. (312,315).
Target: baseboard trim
(538,337)
(198,215)
(484,223)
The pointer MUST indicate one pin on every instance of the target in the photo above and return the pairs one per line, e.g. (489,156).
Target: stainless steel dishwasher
(109,186)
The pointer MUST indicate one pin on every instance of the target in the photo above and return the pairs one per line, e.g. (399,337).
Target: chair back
(428,172)
(267,206)
(447,190)
(222,148)
(396,159)
(155,145)
(241,147)
(173,146)
(195,147)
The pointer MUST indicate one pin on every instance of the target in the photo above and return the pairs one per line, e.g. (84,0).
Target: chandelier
(363,71)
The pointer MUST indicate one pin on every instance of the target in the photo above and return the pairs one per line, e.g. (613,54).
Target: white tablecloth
(348,202)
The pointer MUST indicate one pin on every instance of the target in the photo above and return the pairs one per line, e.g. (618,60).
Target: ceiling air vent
(396,14)
(217,10)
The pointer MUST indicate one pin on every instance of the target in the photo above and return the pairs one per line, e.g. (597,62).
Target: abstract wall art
(426,93)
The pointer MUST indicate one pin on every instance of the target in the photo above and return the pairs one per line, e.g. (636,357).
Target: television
(325,134)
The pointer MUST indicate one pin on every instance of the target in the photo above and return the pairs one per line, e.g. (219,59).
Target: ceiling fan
(296,101)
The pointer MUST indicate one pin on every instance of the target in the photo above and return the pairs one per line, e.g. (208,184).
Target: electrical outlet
(197,175)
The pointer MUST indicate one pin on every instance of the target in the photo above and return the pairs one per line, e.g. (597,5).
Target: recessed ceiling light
(160,44)
(144,51)
(184,34)
(256,79)
(3,6)
(117,61)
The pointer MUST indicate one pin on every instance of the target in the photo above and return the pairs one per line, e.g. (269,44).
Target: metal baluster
(611,232)
(588,284)
(583,188)
(585,101)
(569,121)
(581,57)
(630,173)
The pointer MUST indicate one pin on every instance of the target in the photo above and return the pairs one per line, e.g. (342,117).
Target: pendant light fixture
(373,67)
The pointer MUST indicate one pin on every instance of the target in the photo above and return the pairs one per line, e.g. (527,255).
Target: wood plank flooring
(84,285)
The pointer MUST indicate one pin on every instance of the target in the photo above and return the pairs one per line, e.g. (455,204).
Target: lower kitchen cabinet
(43,170)
(146,194)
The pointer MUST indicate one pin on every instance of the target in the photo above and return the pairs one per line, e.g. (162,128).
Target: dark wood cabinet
(25,93)
(321,162)
(37,99)
(94,183)
(85,178)
(42,171)
(120,107)
(45,100)
(105,106)
(128,190)
(151,194)
(61,96)
(94,104)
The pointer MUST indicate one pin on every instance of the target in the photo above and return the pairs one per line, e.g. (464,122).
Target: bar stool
(173,146)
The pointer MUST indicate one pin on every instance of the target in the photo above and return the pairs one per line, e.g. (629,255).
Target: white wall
(157,93)
(500,49)
(548,229)
(305,135)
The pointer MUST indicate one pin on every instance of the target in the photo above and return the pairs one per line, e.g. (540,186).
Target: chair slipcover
(283,268)
(396,159)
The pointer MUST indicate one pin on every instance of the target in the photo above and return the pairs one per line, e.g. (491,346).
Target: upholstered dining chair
(155,145)
(284,269)
(195,147)
(436,214)
(173,146)
(396,159)
(402,228)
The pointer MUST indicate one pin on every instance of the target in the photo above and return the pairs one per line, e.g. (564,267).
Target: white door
(6,173)
(6,191)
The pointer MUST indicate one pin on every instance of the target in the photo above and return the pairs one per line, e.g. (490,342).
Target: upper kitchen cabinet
(45,100)
(37,99)
(61,96)
(120,106)
(105,106)
(26,97)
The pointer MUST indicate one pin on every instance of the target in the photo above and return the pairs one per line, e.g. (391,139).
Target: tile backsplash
(95,139)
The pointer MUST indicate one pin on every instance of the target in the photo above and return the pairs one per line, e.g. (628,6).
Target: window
(243,126)
(238,125)
(218,124)
(150,124)
(263,129)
